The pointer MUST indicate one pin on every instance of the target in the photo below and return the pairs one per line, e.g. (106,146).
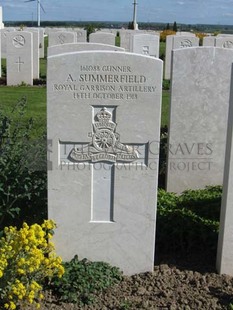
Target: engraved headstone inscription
(104,129)
(19,58)
(198,117)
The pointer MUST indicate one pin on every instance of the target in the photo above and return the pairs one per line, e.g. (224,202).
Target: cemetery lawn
(36,104)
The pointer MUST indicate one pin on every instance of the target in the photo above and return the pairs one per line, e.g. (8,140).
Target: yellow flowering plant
(27,258)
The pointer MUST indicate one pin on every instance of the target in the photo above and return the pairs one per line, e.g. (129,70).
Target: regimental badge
(105,144)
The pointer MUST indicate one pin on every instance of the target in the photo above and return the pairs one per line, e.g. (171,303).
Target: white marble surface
(177,42)
(102,37)
(145,44)
(117,225)
(19,58)
(77,47)
(225,240)
(62,37)
(198,117)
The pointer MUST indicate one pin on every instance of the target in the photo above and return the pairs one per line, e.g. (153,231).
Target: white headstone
(209,41)
(4,33)
(125,39)
(168,55)
(35,51)
(78,47)
(224,42)
(225,238)
(145,44)
(1,24)
(176,42)
(61,37)
(41,42)
(104,129)
(102,37)
(198,117)
(19,58)
(81,35)
(224,35)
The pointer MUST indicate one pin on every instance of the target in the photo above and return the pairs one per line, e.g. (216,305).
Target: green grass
(43,68)
(165,108)
(118,41)
(36,104)
(162,49)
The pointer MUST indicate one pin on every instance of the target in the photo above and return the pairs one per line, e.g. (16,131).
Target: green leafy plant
(23,169)
(82,279)
(189,222)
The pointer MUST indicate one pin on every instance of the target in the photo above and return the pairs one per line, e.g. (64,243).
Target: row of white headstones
(23,49)
(105,147)
(115,218)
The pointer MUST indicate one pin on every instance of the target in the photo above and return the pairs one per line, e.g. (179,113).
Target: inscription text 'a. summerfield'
(105,83)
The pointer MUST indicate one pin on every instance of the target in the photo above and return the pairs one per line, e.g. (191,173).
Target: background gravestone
(81,35)
(61,37)
(198,117)
(41,42)
(225,239)
(168,55)
(19,58)
(104,127)
(209,41)
(176,42)
(125,38)
(35,52)
(1,19)
(102,37)
(224,42)
(77,47)
(145,44)
(4,33)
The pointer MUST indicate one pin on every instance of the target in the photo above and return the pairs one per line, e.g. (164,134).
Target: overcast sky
(181,11)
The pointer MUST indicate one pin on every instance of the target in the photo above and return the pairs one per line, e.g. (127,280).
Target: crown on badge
(103,115)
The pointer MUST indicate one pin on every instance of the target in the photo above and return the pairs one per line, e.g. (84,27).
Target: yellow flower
(12,305)
(24,251)
(21,271)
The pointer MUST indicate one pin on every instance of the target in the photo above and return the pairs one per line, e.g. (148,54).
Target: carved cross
(19,63)
(105,150)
